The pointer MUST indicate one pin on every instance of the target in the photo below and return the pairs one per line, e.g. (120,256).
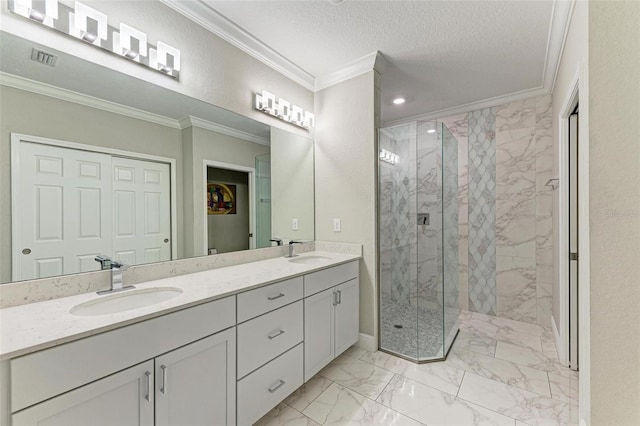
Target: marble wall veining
(502,192)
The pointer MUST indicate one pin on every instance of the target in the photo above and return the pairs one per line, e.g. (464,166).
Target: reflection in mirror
(95,162)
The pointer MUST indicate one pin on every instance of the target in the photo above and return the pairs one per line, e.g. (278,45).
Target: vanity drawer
(50,372)
(327,278)
(264,338)
(265,388)
(264,299)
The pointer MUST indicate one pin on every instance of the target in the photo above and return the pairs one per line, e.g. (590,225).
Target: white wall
(291,186)
(345,173)
(37,115)
(614,212)
(213,70)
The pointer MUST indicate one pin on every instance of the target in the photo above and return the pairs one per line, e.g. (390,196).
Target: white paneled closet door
(62,211)
(141,211)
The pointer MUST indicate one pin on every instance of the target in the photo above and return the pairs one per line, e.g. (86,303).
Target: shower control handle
(423,219)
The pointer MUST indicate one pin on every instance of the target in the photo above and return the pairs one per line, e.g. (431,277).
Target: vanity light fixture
(90,25)
(27,9)
(389,157)
(398,101)
(266,102)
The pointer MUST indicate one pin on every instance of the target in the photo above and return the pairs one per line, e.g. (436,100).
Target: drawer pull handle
(272,389)
(164,389)
(148,395)
(277,333)
(276,297)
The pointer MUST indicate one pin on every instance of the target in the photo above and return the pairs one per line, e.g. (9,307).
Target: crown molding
(472,106)
(558,31)
(191,121)
(33,86)
(350,70)
(206,17)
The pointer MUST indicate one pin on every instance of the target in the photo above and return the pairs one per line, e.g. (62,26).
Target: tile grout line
(313,400)
(464,373)
(391,408)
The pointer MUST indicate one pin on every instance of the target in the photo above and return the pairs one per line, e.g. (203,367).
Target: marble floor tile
(432,407)
(340,406)
(304,395)
(355,352)
(506,334)
(516,403)
(534,359)
(502,371)
(283,415)
(438,375)
(563,388)
(357,375)
(549,345)
(480,344)
(511,325)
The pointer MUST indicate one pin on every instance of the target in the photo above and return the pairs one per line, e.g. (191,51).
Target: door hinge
(573,256)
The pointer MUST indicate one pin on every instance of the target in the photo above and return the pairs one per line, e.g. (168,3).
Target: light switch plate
(294,224)
(337,226)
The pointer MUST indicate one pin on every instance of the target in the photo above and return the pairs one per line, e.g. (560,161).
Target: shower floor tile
(520,386)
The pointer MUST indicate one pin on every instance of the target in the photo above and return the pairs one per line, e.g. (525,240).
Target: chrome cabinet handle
(164,389)
(277,333)
(335,298)
(339,297)
(275,297)
(281,383)
(148,395)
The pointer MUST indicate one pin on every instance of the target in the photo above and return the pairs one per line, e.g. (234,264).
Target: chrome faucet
(278,241)
(116,274)
(291,243)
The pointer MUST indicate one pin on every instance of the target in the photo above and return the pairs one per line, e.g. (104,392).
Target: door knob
(26,251)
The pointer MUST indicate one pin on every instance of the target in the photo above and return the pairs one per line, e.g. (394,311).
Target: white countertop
(36,326)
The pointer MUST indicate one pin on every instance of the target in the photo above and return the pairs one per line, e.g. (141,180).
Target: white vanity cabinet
(123,398)
(331,315)
(184,366)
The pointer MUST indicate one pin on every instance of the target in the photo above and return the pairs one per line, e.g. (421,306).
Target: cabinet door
(347,322)
(196,384)
(318,331)
(124,398)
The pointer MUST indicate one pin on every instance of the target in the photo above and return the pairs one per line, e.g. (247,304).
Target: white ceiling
(442,54)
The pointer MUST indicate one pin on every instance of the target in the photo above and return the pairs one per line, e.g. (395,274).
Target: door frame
(577,94)
(251,171)
(17,138)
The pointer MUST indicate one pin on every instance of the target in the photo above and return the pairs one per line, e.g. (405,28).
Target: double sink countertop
(29,328)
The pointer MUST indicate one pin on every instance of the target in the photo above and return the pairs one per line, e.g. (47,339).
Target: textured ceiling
(442,53)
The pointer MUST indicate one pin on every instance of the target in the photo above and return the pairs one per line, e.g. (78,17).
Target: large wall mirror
(166,177)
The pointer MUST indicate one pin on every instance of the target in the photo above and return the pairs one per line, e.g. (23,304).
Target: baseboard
(559,342)
(367,342)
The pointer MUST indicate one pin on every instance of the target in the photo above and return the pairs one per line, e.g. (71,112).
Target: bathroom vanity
(232,344)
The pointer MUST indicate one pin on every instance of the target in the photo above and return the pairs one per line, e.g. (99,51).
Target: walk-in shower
(418,240)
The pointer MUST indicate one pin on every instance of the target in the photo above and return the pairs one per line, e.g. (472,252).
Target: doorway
(572,237)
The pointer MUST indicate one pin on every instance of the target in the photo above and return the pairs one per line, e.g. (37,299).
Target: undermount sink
(309,260)
(125,301)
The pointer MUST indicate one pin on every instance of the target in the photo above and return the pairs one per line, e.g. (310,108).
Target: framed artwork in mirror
(221,198)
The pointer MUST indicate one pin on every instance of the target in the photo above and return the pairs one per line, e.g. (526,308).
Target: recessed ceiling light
(398,101)
(431,131)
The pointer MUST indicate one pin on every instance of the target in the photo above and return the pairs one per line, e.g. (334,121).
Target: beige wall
(614,211)
(37,115)
(202,144)
(213,70)
(291,185)
(345,169)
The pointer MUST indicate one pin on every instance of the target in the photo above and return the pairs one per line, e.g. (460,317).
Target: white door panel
(142,219)
(60,211)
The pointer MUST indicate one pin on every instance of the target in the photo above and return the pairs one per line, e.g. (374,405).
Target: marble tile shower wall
(509,246)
